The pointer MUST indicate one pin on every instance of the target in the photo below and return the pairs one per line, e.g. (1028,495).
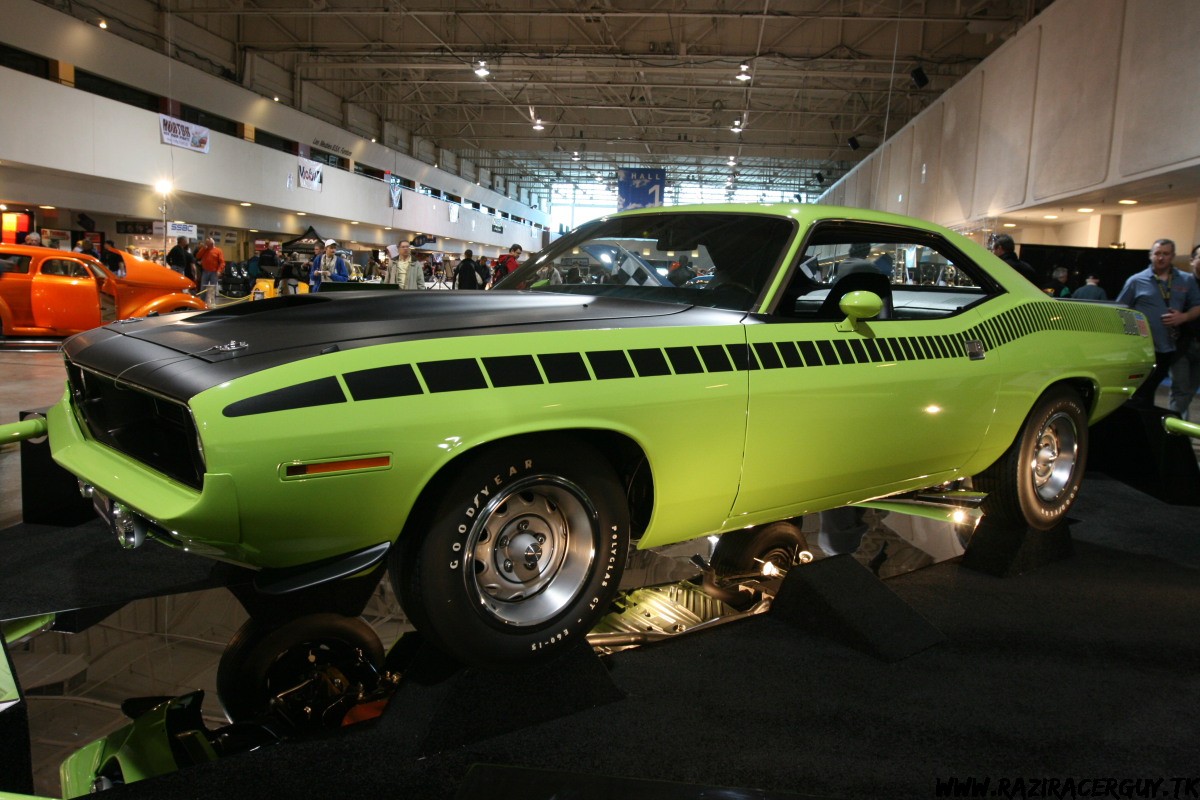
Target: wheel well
(1084,387)
(625,455)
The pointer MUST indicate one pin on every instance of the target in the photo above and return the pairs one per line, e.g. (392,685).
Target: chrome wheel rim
(1055,454)
(531,549)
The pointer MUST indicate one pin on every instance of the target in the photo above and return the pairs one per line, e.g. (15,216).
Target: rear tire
(1035,482)
(743,552)
(521,554)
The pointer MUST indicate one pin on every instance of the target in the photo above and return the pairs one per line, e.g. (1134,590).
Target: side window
(13,263)
(65,268)
(916,274)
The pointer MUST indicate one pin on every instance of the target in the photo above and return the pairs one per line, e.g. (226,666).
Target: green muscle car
(651,377)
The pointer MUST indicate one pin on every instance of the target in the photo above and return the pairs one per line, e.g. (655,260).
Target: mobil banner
(310,174)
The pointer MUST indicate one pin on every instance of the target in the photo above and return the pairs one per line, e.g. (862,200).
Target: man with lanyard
(328,265)
(1169,298)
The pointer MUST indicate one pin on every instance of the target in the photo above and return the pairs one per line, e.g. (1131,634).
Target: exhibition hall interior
(535,398)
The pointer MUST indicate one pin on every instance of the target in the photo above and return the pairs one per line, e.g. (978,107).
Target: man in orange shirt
(212,263)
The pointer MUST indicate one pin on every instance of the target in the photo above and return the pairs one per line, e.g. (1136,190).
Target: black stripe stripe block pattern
(498,372)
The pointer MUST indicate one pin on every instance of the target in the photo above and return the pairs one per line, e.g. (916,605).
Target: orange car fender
(170,302)
(6,320)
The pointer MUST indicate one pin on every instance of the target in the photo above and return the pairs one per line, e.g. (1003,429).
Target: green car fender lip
(304,576)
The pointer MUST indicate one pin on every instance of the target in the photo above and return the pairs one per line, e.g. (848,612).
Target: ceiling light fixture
(301,213)
(482,70)
(853,142)
(1128,202)
(919,78)
(275,98)
(103,25)
(538,126)
(737,126)
(575,156)
(1010,224)
(1050,216)
(47,208)
(1085,210)
(245,205)
(744,72)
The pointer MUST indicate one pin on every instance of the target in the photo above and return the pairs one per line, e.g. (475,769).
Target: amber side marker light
(326,467)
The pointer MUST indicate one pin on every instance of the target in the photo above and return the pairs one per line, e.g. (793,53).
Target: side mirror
(858,306)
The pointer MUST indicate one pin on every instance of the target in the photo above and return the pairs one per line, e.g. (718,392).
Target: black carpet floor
(1084,669)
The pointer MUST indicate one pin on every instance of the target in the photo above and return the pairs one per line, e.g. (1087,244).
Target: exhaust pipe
(129,527)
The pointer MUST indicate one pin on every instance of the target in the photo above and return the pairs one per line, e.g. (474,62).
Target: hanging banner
(310,174)
(395,187)
(178,133)
(640,188)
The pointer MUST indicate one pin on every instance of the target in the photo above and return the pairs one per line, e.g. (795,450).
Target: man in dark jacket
(1004,247)
(469,274)
(182,260)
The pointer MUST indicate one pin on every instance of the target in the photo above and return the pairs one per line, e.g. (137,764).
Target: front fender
(167,303)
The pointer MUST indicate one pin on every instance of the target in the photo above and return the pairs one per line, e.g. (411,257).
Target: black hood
(182,355)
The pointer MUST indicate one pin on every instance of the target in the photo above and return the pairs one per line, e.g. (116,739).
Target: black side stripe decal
(465,374)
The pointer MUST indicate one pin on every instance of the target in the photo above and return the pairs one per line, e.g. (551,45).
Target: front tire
(521,554)
(310,669)
(1035,482)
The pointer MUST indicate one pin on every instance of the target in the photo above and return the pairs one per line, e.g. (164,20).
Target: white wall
(1090,94)
(108,139)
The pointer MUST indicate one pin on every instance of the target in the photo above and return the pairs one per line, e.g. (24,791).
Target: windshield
(712,259)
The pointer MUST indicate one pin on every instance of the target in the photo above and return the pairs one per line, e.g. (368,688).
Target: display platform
(1083,668)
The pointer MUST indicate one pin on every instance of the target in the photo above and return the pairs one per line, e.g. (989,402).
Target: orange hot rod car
(49,292)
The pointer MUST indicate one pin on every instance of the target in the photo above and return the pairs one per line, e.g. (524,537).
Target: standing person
(1185,369)
(1091,290)
(328,266)
(1004,248)
(1057,285)
(506,263)
(268,263)
(181,260)
(403,271)
(469,274)
(1169,298)
(212,264)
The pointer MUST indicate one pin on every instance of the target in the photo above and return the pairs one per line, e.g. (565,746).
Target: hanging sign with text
(310,174)
(178,133)
(640,188)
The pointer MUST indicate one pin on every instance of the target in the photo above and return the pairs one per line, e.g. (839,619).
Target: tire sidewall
(1039,514)
(450,613)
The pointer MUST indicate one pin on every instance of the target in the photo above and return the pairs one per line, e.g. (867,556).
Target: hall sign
(640,188)
(178,133)
(497,227)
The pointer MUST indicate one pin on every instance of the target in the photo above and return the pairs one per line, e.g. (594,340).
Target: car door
(65,295)
(840,412)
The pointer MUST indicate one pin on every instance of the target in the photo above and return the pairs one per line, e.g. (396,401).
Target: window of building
(325,157)
(207,120)
(370,172)
(21,61)
(268,139)
(94,84)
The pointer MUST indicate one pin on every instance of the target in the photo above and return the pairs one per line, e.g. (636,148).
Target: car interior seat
(857,276)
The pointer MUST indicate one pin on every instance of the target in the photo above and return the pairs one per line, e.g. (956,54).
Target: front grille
(159,433)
